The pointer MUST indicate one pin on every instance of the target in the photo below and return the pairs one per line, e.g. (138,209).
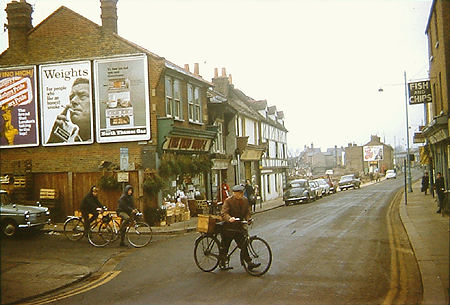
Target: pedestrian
(89,205)
(125,210)
(425,182)
(249,193)
(439,185)
(224,190)
(235,208)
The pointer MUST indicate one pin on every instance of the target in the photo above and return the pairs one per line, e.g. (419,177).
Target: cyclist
(235,207)
(125,209)
(88,206)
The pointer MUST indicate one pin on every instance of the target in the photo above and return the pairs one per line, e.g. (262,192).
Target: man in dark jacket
(88,206)
(125,209)
(425,182)
(249,193)
(440,190)
(235,208)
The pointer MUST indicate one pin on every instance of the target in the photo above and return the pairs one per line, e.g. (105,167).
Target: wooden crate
(48,194)
(206,224)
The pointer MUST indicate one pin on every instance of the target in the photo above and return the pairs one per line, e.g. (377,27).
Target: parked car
(349,181)
(391,174)
(296,191)
(316,190)
(325,186)
(15,216)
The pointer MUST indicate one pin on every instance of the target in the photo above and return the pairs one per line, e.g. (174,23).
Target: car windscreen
(298,184)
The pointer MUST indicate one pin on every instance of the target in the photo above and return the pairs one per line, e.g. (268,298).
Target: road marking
(104,278)
(398,277)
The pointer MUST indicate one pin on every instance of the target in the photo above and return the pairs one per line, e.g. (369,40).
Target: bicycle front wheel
(74,228)
(101,234)
(260,254)
(139,235)
(206,253)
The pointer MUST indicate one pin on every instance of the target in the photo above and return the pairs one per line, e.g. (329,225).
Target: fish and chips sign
(419,92)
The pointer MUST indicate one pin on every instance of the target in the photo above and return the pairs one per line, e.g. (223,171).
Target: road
(348,248)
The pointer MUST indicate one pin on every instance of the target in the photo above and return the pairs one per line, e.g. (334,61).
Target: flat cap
(238,188)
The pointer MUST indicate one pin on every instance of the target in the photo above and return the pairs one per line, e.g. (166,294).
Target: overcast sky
(320,62)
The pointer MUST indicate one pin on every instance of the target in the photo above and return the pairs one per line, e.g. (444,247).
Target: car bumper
(296,199)
(28,224)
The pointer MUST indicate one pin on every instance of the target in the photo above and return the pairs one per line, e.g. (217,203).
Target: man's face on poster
(80,104)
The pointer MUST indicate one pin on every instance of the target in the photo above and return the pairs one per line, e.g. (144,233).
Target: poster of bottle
(18,108)
(373,153)
(66,103)
(122,101)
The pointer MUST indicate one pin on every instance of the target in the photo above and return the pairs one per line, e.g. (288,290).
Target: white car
(391,174)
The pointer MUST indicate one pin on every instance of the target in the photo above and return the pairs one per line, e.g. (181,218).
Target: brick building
(142,106)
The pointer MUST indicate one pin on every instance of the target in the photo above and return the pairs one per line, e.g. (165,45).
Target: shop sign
(419,92)
(187,144)
(122,177)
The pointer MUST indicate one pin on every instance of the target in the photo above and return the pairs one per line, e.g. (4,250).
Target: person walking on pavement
(89,205)
(125,209)
(439,185)
(425,182)
(249,193)
(224,190)
(235,208)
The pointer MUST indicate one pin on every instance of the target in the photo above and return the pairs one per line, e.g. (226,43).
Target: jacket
(126,202)
(233,207)
(90,203)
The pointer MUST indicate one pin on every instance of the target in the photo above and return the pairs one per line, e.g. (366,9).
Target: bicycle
(74,227)
(138,233)
(207,251)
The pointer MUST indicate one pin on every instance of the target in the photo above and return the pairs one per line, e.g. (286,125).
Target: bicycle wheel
(206,252)
(139,234)
(100,234)
(260,253)
(115,226)
(74,228)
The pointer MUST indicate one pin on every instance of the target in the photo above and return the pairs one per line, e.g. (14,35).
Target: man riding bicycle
(88,206)
(125,209)
(235,208)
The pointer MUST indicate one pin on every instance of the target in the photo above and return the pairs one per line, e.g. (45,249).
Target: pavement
(45,271)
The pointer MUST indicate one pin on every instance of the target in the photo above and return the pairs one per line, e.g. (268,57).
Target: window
(218,143)
(194,104)
(173,98)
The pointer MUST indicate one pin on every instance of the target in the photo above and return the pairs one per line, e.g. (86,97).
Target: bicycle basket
(206,223)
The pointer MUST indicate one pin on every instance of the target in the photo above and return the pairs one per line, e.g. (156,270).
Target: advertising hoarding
(18,108)
(66,103)
(121,96)
(373,153)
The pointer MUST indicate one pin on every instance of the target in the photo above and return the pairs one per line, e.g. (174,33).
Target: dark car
(349,181)
(14,216)
(297,191)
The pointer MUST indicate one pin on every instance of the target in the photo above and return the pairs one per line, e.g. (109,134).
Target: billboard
(18,108)
(122,100)
(373,153)
(66,103)
(419,92)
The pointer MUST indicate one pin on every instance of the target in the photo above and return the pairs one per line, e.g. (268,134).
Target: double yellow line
(398,277)
(104,278)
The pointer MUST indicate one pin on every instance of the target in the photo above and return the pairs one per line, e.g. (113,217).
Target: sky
(321,62)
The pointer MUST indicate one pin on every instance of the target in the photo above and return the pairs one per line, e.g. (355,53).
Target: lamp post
(408,161)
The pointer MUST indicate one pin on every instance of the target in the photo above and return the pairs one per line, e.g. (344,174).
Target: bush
(153,216)
(108,183)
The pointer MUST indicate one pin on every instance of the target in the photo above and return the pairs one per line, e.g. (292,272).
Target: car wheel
(9,228)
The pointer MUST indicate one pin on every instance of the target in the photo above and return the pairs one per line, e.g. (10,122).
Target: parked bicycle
(207,251)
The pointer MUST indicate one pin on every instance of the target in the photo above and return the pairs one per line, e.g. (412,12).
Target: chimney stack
(186,67)
(19,23)
(196,69)
(109,15)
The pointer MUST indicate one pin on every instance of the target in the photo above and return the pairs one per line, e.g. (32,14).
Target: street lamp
(408,161)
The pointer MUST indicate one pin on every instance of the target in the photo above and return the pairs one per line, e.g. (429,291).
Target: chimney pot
(230,79)
(216,73)
(186,67)
(196,69)
(224,72)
